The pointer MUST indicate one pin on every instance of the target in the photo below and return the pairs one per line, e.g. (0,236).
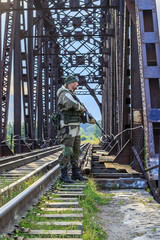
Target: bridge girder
(112,46)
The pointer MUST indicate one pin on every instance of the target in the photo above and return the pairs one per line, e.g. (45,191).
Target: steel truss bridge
(113,47)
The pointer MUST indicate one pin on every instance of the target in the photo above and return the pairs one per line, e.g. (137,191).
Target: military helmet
(70,79)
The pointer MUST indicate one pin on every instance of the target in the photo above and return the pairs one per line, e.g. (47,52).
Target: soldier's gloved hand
(82,109)
(92,121)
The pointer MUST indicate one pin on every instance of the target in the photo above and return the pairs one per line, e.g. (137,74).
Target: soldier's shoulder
(62,91)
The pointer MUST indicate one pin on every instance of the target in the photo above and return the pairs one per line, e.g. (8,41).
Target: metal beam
(17,81)
(0,84)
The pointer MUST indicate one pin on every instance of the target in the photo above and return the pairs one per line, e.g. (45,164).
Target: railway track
(58,209)
(16,161)
(104,170)
(58,214)
(21,167)
(11,212)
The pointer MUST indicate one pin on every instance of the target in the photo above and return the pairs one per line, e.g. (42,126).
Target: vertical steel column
(46,73)
(17,80)
(6,65)
(113,76)
(39,89)
(159,180)
(137,114)
(53,73)
(45,87)
(40,106)
(30,59)
(126,78)
(120,65)
(0,86)
(149,60)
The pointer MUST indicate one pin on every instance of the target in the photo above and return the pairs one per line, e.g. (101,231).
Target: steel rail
(23,155)
(17,163)
(12,211)
(41,169)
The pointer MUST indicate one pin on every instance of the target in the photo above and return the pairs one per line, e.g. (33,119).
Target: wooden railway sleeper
(65,203)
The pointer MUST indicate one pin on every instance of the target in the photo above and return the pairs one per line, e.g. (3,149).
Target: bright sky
(158,9)
(87,100)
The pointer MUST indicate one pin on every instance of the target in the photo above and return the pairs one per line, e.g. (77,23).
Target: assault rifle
(89,116)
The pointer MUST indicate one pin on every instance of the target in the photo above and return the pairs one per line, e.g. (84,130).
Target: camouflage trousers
(71,141)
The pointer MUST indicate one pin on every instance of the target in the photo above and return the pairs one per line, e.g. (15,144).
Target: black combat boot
(64,176)
(76,174)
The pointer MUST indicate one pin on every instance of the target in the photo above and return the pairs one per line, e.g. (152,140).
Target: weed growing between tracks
(5,182)
(89,204)
(93,199)
(11,193)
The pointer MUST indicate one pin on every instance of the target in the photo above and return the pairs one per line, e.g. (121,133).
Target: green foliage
(83,137)
(10,130)
(90,132)
(150,199)
(97,131)
(121,203)
(13,192)
(92,228)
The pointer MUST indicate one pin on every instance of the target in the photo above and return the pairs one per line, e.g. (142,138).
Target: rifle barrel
(90,115)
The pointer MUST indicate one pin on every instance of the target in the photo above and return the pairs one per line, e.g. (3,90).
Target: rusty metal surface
(15,208)
(22,161)
(11,212)
(112,46)
(19,156)
(148,48)
(30,170)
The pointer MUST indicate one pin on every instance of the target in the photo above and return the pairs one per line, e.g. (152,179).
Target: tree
(97,131)
(83,137)
(9,130)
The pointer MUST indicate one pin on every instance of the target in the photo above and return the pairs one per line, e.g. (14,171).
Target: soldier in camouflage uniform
(71,111)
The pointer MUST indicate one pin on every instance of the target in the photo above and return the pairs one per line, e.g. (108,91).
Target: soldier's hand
(82,109)
(92,121)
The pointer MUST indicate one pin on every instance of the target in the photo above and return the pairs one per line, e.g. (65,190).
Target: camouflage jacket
(67,103)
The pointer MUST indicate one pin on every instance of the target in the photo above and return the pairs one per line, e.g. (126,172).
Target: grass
(92,229)
(121,203)
(142,201)
(5,182)
(93,199)
(150,199)
(91,141)
(11,193)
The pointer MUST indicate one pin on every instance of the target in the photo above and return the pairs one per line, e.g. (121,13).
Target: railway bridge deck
(59,207)
(113,47)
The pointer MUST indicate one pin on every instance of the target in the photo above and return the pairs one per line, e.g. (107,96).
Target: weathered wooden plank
(71,189)
(115,175)
(67,215)
(107,158)
(22,238)
(61,209)
(60,194)
(54,232)
(125,167)
(100,151)
(109,165)
(63,199)
(64,224)
(61,204)
(72,186)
